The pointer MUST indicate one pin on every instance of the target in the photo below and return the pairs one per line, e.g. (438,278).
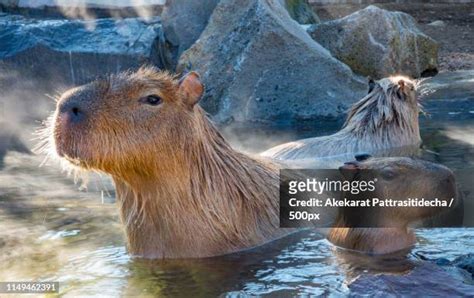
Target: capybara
(383,123)
(398,178)
(182,190)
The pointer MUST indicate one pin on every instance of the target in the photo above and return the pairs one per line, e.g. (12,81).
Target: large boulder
(260,65)
(378,43)
(70,52)
(183,22)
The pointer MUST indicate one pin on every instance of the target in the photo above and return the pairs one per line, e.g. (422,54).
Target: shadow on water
(53,231)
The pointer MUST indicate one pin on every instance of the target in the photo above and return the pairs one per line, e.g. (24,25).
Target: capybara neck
(373,240)
(204,200)
(393,236)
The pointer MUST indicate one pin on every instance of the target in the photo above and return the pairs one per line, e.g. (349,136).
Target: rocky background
(273,62)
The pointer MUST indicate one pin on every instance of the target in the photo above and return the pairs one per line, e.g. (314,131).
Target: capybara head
(127,121)
(390,101)
(400,179)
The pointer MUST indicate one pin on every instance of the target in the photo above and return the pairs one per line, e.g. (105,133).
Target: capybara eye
(388,174)
(152,100)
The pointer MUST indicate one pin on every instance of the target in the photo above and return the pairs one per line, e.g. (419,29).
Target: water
(53,231)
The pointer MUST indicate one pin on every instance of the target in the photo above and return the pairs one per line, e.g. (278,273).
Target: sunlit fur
(182,190)
(386,119)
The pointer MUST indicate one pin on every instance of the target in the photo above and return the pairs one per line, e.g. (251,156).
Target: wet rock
(9,3)
(378,43)
(301,11)
(70,52)
(260,65)
(183,22)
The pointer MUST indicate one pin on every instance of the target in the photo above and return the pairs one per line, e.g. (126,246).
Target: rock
(260,65)
(301,11)
(69,52)
(378,43)
(89,9)
(183,22)
(9,3)
(437,24)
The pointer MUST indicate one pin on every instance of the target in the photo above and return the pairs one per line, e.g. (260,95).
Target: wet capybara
(383,123)
(399,179)
(182,190)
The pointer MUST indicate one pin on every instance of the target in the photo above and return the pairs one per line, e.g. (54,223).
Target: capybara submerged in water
(182,190)
(384,122)
(400,179)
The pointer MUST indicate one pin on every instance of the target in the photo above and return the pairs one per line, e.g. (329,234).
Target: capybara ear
(349,170)
(371,84)
(191,88)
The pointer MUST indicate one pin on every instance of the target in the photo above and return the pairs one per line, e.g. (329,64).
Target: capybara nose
(72,111)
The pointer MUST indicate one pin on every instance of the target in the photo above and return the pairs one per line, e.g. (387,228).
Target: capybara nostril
(71,111)
(75,114)
(75,111)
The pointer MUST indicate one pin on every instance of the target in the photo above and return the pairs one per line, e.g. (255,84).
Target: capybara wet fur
(398,178)
(182,191)
(383,123)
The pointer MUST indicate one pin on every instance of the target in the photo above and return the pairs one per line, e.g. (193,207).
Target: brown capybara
(182,191)
(399,179)
(383,123)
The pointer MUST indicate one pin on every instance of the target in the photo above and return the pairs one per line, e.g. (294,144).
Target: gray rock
(9,3)
(301,11)
(70,52)
(260,65)
(378,43)
(183,22)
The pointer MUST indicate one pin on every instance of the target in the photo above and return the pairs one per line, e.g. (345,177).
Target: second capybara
(383,123)
(386,229)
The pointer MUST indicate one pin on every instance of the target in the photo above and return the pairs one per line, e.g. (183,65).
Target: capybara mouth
(70,141)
